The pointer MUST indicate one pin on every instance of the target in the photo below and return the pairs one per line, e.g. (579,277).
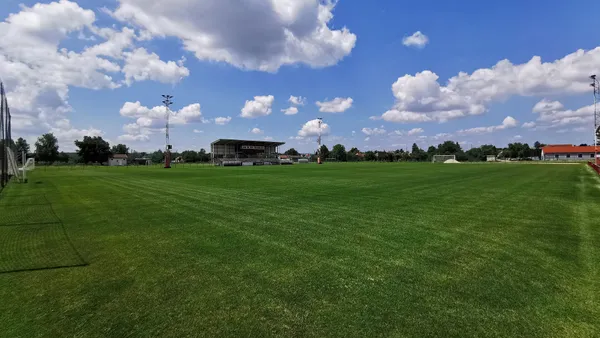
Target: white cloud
(415,131)
(260,106)
(38,71)
(268,138)
(547,106)
(517,137)
(418,40)
(222,120)
(141,65)
(311,128)
(36,74)
(553,114)
(374,118)
(353,133)
(374,131)
(256,131)
(421,98)
(397,133)
(198,131)
(82,36)
(441,136)
(133,138)
(528,125)
(258,35)
(367,138)
(297,100)
(153,120)
(508,122)
(337,105)
(290,111)
(66,134)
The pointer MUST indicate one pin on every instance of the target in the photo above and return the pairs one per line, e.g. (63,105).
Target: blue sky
(214,56)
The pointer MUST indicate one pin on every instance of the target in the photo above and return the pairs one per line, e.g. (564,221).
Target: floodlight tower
(167,101)
(320,122)
(596,85)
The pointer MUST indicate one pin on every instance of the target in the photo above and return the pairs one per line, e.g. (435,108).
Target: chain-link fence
(6,142)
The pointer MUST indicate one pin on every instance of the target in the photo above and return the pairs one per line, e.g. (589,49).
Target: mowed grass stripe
(334,250)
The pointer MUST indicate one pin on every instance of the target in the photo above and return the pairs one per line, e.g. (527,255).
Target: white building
(567,152)
(117,160)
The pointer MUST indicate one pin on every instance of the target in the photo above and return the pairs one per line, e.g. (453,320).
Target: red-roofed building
(568,152)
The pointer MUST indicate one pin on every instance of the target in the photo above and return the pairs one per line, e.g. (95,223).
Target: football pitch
(346,250)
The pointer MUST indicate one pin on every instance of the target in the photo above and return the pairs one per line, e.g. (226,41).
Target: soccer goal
(442,158)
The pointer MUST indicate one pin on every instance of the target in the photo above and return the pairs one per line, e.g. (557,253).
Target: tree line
(517,150)
(94,149)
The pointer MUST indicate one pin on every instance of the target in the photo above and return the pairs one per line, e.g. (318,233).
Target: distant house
(567,152)
(142,161)
(117,160)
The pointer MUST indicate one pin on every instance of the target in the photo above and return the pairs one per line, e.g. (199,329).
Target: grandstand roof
(567,149)
(253,142)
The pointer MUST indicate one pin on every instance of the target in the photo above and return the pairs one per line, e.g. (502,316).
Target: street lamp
(596,86)
(167,101)
(320,121)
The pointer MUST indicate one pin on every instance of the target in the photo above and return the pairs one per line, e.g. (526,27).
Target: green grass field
(364,250)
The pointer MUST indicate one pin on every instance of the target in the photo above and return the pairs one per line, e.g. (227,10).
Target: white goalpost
(442,158)
(12,163)
(14,170)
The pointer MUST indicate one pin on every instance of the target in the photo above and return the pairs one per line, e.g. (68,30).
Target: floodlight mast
(320,122)
(167,101)
(596,86)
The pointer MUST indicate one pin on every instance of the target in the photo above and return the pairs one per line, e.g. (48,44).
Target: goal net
(442,158)
(12,163)
(29,165)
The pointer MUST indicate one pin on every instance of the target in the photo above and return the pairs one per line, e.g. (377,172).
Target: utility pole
(167,101)
(596,85)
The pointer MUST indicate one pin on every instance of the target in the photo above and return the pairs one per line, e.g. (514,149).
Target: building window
(580,155)
(568,155)
(556,156)
(591,155)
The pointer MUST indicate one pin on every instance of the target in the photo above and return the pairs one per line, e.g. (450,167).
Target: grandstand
(228,152)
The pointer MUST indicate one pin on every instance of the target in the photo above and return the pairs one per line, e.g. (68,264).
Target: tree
(63,157)
(203,156)
(354,150)
(46,148)
(449,148)
(323,152)
(339,152)
(93,149)
(581,145)
(432,150)
(417,153)
(537,152)
(291,152)
(189,156)
(351,157)
(519,150)
(22,146)
(475,154)
(157,156)
(120,149)
(370,156)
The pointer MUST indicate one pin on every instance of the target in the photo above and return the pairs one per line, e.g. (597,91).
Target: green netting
(34,247)
(13,215)
(22,200)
